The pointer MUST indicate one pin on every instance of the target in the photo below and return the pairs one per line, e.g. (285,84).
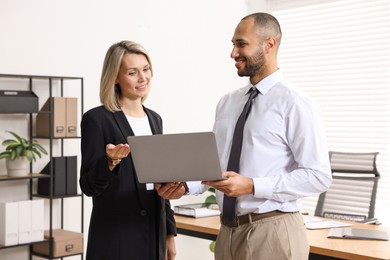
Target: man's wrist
(252,187)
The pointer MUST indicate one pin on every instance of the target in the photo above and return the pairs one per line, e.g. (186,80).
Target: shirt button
(143,213)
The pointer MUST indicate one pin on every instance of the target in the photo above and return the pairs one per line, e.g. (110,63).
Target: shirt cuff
(263,188)
(195,187)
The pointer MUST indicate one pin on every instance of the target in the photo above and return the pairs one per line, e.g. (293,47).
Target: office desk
(208,228)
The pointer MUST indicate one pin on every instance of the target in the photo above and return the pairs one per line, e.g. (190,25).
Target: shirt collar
(268,82)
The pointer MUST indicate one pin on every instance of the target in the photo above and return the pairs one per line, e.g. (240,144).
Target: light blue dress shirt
(284,146)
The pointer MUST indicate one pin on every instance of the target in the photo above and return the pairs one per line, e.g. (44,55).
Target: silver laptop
(175,157)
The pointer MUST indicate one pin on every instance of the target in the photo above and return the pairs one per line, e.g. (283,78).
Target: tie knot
(253,91)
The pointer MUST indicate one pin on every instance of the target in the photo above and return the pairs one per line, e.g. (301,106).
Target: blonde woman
(129,220)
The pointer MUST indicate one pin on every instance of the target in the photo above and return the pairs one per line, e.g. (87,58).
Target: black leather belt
(245,219)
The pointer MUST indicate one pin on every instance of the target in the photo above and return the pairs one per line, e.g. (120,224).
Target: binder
(9,234)
(356,233)
(59,178)
(24,221)
(37,220)
(198,210)
(71,175)
(59,120)
(71,117)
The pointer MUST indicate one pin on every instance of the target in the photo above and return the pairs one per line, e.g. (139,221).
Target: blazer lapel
(155,126)
(126,129)
(123,124)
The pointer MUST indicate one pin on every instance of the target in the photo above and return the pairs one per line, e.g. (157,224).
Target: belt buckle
(234,223)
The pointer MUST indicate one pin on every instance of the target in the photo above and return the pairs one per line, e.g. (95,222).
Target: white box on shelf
(24,220)
(37,220)
(9,223)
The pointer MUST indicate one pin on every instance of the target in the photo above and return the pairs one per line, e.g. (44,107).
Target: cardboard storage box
(64,243)
(64,122)
(12,101)
(71,117)
(58,123)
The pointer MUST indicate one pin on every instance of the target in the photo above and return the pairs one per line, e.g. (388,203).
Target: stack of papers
(316,223)
(198,210)
(354,233)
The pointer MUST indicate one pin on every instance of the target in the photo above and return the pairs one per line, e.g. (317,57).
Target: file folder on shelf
(59,178)
(58,124)
(24,221)
(71,175)
(64,177)
(9,234)
(37,220)
(71,116)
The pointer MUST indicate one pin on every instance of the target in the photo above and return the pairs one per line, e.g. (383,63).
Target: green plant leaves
(212,246)
(211,189)
(6,154)
(21,147)
(211,199)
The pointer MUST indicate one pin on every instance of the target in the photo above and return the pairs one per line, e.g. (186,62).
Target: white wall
(189,42)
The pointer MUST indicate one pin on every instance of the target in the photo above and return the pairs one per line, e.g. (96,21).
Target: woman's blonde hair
(109,92)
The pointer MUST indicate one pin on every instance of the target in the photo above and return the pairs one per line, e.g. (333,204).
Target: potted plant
(212,200)
(19,152)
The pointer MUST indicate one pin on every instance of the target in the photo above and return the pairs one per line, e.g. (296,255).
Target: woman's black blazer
(126,220)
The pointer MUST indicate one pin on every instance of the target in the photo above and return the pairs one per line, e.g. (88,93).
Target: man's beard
(253,65)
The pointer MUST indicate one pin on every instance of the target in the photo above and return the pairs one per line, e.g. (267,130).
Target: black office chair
(352,194)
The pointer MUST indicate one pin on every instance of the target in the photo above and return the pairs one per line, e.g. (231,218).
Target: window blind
(339,52)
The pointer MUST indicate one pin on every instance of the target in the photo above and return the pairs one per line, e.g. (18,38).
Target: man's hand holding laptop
(171,190)
(233,184)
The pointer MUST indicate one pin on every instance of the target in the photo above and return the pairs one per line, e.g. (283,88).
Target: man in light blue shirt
(284,156)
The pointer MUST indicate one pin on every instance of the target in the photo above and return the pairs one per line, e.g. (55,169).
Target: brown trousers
(281,237)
